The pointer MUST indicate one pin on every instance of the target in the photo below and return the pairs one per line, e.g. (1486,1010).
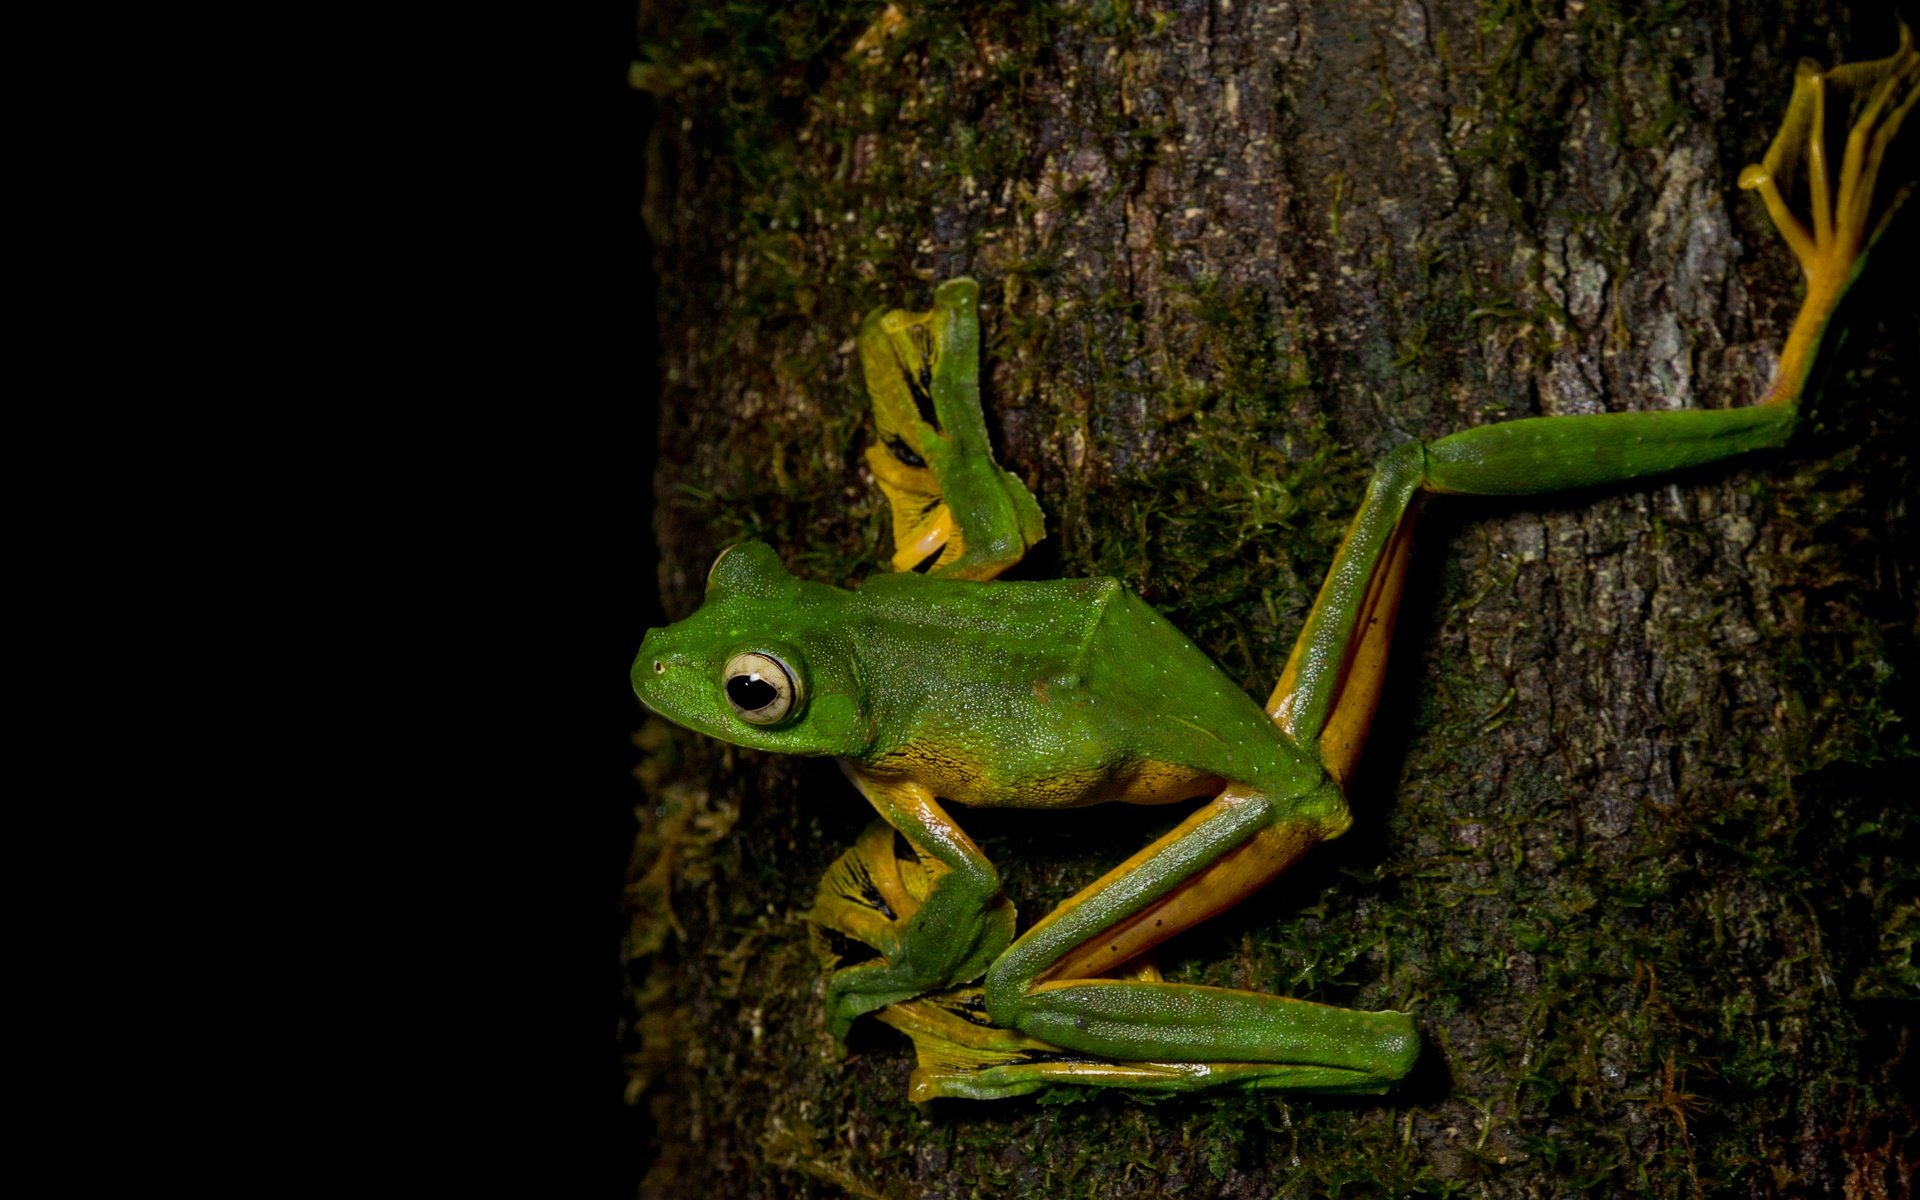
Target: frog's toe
(1829,191)
(1832,175)
(865,901)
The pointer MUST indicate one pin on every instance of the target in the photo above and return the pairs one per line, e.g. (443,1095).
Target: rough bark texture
(1635,836)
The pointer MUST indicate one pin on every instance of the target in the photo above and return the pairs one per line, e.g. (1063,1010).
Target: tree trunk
(1634,837)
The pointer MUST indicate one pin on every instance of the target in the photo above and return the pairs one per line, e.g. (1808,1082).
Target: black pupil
(749,692)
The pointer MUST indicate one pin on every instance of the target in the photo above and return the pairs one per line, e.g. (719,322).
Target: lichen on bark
(1634,835)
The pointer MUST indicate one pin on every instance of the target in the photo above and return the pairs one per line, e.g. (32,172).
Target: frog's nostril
(659,668)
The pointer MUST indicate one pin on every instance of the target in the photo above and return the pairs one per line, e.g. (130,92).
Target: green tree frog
(946,685)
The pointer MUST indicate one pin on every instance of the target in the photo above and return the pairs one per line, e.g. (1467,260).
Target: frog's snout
(650,661)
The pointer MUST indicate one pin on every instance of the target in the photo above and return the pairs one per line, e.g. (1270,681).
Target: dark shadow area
(630,603)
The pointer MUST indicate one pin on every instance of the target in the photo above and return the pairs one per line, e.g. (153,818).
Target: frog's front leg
(951,937)
(952,504)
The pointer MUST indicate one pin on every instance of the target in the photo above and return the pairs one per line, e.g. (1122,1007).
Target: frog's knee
(1004,993)
(1403,466)
(1398,1049)
(985,558)
(1002,547)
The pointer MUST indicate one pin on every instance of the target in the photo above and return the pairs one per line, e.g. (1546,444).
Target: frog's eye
(761,689)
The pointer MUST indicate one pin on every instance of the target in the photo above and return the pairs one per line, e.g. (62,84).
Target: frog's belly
(1141,781)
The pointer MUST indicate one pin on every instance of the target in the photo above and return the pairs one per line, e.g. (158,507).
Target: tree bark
(1634,835)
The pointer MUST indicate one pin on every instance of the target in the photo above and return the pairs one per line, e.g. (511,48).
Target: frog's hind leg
(965,1048)
(962,1053)
(862,902)
(865,899)
(1057,981)
(1326,695)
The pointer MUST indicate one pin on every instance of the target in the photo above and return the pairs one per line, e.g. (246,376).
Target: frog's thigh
(1106,927)
(1043,984)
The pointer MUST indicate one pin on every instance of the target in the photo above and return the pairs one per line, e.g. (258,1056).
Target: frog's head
(764,662)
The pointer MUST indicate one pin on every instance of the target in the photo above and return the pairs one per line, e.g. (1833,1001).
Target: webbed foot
(1845,209)
(864,901)
(860,921)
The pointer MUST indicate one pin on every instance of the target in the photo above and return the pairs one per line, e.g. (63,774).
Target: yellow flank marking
(1156,782)
(962,778)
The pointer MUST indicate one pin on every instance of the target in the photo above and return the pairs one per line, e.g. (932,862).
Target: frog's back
(1051,695)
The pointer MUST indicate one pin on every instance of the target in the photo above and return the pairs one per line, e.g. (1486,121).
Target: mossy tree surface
(1635,837)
